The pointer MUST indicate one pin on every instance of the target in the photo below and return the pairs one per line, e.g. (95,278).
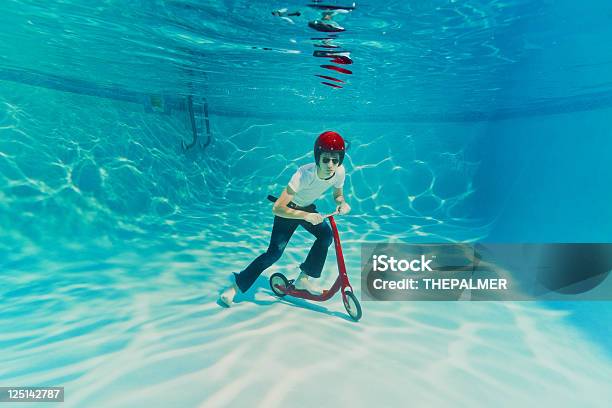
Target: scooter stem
(339,256)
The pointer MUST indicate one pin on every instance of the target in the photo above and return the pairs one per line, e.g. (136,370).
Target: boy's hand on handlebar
(314,218)
(343,209)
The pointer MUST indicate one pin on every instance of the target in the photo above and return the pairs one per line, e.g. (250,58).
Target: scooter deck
(304,294)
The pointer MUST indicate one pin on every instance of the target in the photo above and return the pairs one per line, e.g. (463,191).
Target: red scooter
(282,286)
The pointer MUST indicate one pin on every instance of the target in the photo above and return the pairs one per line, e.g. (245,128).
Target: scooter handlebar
(273,199)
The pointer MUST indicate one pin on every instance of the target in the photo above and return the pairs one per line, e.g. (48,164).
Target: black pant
(282,231)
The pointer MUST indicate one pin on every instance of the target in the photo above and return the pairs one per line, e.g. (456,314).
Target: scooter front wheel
(352,306)
(278,279)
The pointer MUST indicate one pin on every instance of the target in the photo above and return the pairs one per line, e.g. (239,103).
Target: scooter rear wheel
(352,306)
(280,280)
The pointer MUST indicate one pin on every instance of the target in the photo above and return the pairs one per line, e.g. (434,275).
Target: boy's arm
(343,207)
(280,206)
(339,195)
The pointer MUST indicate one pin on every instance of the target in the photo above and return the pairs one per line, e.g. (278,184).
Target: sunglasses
(327,159)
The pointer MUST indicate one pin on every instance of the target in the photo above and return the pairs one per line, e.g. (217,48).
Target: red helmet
(329,141)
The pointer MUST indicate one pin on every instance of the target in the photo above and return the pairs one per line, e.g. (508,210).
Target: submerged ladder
(196,115)
(204,122)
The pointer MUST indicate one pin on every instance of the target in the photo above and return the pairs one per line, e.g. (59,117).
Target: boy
(294,208)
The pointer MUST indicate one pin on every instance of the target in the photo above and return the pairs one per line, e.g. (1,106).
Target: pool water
(479,121)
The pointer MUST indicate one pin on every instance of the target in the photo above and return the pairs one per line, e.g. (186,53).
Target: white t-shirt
(308,186)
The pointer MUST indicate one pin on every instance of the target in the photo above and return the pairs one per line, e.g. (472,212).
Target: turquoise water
(468,121)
